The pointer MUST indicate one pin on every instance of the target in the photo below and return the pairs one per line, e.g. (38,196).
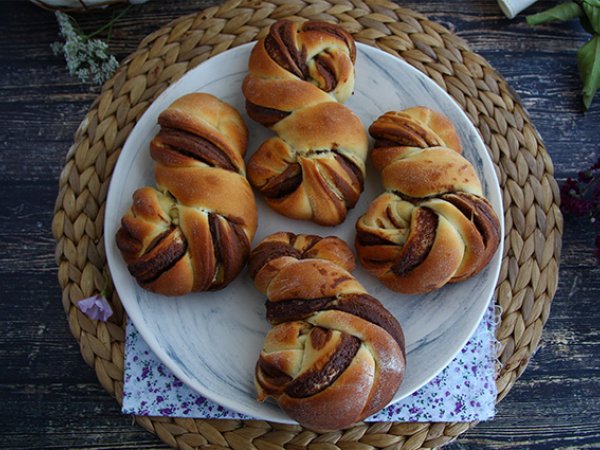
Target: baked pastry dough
(432,226)
(335,355)
(194,232)
(314,169)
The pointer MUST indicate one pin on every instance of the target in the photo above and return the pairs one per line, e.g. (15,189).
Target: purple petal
(95,307)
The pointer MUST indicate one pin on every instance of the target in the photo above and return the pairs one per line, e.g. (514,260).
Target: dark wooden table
(51,399)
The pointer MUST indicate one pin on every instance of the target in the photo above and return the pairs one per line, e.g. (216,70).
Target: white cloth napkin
(464,391)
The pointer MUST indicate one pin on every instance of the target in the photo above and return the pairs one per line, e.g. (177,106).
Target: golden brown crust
(314,169)
(419,127)
(311,278)
(192,233)
(280,249)
(333,409)
(205,115)
(432,226)
(422,173)
(282,94)
(335,355)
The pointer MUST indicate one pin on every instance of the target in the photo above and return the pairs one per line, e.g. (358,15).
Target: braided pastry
(314,169)
(194,232)
(432,226)
(335,355)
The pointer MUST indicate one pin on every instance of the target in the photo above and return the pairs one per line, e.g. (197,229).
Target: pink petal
(95,307)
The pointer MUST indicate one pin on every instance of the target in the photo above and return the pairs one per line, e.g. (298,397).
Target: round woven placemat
(529,274)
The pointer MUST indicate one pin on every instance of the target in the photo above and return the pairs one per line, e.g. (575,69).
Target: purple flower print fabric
(464,391)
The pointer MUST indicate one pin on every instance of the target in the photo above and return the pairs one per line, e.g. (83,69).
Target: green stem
(76,25)
(590,184)
(109,24)
(109,34)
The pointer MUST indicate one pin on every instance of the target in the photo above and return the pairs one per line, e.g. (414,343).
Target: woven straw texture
(529,274)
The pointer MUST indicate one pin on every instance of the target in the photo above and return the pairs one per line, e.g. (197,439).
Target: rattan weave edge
(533,222)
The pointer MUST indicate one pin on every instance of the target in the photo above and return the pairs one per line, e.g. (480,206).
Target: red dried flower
(585,176)
(572,201)
(595,197)
(581,197)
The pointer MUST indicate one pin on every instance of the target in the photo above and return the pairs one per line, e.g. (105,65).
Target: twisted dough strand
(192,233)
(335,355)
(432,226)
(314,169)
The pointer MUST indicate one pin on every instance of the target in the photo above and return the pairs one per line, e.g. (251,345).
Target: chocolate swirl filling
(402,131)
(295,309)
(366,238)
(230,246)
(335,31)
(163,253)
(280,44)
(290,179)
(361,305)
(312,382)
(328,79)
(348,190)
(481,213)
(419,243)
(272,380)
(194,146)
(283,184)
(268,251)
(263,115)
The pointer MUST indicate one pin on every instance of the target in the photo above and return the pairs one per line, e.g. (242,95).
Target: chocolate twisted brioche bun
(314,169)
(433,225)
(194,232)
(335,355)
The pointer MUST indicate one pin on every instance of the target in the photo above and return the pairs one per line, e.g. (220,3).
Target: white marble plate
(211,340)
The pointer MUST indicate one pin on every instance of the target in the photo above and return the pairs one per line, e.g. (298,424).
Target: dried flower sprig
(588,56)
(581,198)
(86,58)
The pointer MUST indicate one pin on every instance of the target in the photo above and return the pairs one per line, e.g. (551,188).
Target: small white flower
(86,58)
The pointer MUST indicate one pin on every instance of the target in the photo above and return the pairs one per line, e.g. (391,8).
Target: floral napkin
(464,391)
